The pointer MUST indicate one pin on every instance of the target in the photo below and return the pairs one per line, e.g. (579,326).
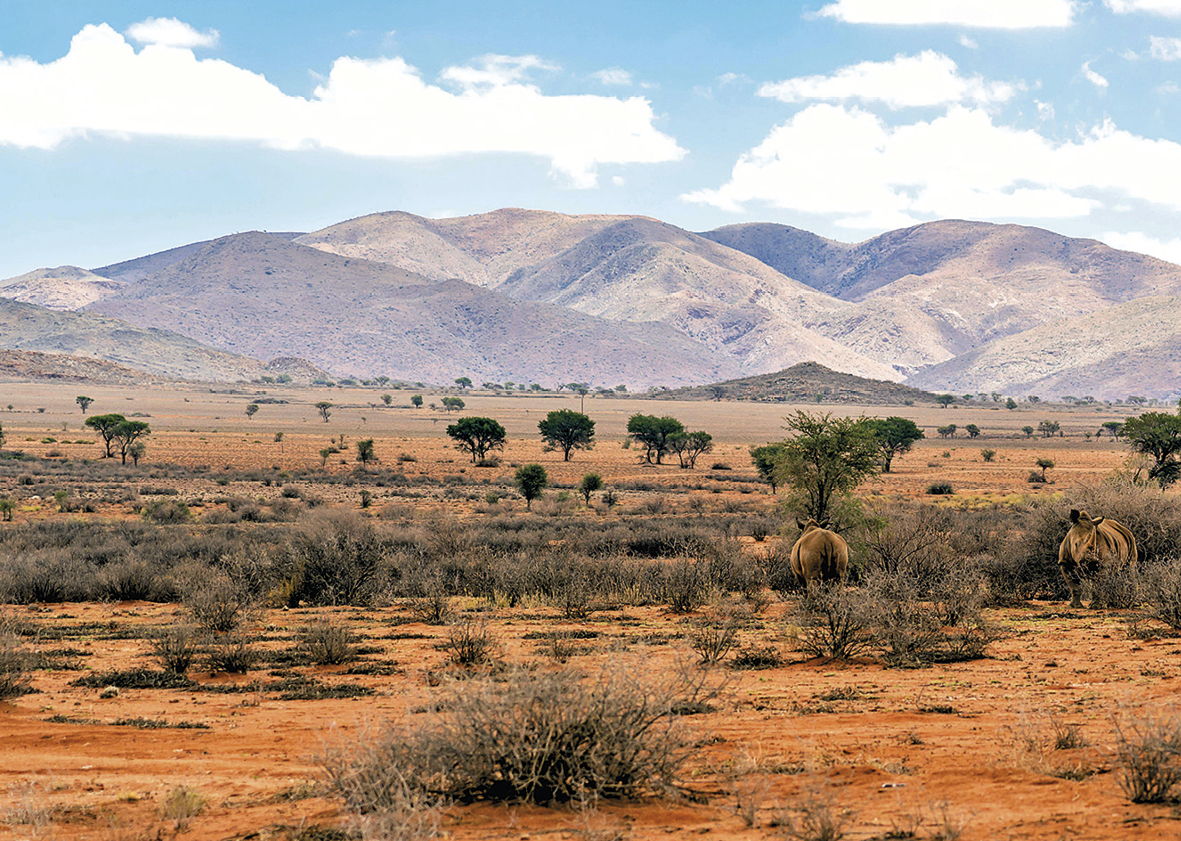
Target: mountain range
(536,296)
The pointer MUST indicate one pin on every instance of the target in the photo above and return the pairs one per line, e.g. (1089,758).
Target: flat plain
(958,750)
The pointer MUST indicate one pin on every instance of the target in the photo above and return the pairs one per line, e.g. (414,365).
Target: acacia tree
(477,436)
(1048,428)
(944,400)
(365,452)
(251,410)
(653,433)
(1157,434)
(767,459)
(83,401)
(531,480)
(689,445)
(566,430)
(325,409)
(463,382)
(127,433)
(894,436)
(105,426)
(591,482)
(825,457)
(136,451)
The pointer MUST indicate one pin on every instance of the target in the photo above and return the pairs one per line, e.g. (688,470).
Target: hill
(63,288)
(264,296)
(26,365)
(1132,348)
(807,382)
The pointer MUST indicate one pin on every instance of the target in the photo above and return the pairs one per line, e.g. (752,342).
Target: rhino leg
(1074,581)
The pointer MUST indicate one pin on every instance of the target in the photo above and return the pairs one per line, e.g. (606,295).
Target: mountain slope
(28,327)
(63,288)
(809,382)
(1132,348)
(263,296)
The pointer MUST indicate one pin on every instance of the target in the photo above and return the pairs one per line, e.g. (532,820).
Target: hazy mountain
(264,296)
(29,327)
(806,382)
(130,271)
(63,288)
(1132,348)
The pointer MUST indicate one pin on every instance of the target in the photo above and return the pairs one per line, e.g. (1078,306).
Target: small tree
(453,404)
(105,426)
(1048,428)
(416,401)
(365,452)
(1113,427)
(947,431)
(1,435)
(251,410)
(136,452)
(1157,434)
(387,399)
(463,382)
(477,436)
(127,433)
(944,400)
(325,409)
(894,436)
(973,430)
(591,482)
(827,456)
(689,445)
(1010,403)
(1045,464)
(531,480)
(324,453)
(84,402)
(1028,430)
(566,430)
(767,460)
(653,433)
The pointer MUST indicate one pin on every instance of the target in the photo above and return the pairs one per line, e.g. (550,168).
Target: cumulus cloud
(378,108)
(613,76)
(968,43)
(1169,8)
(1093,77)
(981,14)
(1132,241)
(925,80)
(848,163)
(1165,49)
(170,32)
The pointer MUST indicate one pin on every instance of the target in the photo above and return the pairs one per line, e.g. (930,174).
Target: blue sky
(126,128)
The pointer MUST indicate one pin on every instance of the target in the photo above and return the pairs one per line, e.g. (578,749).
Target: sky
(131,127)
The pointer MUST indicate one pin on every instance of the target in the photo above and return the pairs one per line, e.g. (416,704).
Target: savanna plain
(251,635)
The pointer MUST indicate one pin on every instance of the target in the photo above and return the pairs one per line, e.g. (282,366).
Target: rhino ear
(1100,520)
(1074,512)
(827,524)
(800,524)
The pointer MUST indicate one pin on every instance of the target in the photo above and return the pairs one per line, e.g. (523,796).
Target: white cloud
(613,76)
(1165,49)
(170,32)
(1093,77)
(1169,8)
(846,162)
(982,14)
(1045,110)
(732,78)
(925,80)
(968,43)
(1133,241)
(379,108)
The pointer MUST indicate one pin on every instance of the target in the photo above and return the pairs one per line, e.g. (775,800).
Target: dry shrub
(469,643)
(335,557)
(534,737)
(686,585)
(1161,590)
(814,816)
(232,652)
(217,604)
(712,639)
(176,648)
(14,666)
(1148,748)
(835,621)
(327,643)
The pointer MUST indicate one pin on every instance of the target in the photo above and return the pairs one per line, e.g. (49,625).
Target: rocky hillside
(806,382)
(63,288)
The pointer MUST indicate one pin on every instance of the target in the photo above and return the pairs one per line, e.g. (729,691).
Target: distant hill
(1132,348)
(26,365)
(62,288)
(263,296)
(130,271)
(807,382)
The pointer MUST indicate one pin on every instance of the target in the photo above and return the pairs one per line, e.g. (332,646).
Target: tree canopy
(105,426)
(827,456)
(689,445)
(767,460)
(894,436)
(477,436)
(653,433)
(531,480)
(126,434)
(84,402)
(325,409)
(567,430)
(1157,434)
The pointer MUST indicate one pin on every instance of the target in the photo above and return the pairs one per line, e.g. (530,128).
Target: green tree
(973,430)
(591,482)
(1045,464)
(689,445)
(477,436)
(1048,428)
(387,399)
(416,401)
(127,433)
(531,480)
(767,460)
(136,451)
(653,433)
(944,400)
(463,382)
(567,430)
(1157,434)
(7,506)
(827,456)
(251,410)
(894,436)
(83,401)
(325,409)
(1,435)
(1113,427)
(1010,403)
(105,426)
(1028,430)
(365,452)
(947,431)
(453,404)
(324,453)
